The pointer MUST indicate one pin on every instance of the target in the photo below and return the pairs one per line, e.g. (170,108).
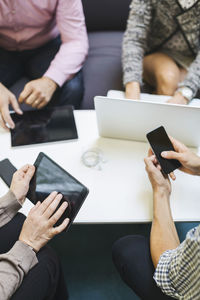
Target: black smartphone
(159,141)
(6,171)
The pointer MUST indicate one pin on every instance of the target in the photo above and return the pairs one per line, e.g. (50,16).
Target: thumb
(171,155)
(30,172)
(15,105)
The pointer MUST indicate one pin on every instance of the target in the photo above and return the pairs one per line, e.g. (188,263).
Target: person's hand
(37,93)
(159,181)
(38,228)
(7,98)
(132,90)
(20,182)
(189,160)
(178,98)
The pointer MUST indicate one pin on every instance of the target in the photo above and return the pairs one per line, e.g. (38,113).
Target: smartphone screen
(160,142)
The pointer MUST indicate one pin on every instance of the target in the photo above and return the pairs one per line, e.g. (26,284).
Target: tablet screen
(42,126)
(51,177)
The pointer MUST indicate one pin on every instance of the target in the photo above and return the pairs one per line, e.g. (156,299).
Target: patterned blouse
(177,42)
(169,26)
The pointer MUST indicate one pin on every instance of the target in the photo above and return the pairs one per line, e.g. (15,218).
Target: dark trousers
(131,256)
(33,64)
(45,280)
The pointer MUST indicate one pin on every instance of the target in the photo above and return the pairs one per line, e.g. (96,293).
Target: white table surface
(120,192)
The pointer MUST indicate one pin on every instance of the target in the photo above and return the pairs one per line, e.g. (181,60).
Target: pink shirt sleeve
(74,48)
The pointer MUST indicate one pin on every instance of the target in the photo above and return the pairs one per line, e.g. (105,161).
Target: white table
(120,192)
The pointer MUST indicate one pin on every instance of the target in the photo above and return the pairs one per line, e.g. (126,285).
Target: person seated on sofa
(175,266)
(46,41)
(28,270)
(161,44)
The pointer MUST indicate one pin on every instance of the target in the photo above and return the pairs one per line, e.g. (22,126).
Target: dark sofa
(106,22)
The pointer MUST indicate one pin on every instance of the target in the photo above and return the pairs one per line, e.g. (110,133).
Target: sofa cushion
(103,15)
(102,69)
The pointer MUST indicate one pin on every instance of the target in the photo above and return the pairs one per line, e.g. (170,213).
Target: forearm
(135,39)
(14,265)
(192,79)
(9,206)
(163,232)
(74,48)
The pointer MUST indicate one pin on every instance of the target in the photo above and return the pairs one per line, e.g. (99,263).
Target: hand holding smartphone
(159,141)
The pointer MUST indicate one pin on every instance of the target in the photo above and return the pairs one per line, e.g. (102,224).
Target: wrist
(133,84)
(161,193)
(51,82)
(30,244)
(179,96)
(186,93)
(19,198)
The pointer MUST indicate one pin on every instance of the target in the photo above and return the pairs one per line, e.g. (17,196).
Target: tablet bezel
(84,193)
(69,108)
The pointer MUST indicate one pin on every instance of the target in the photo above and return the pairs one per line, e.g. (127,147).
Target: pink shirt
(28,24)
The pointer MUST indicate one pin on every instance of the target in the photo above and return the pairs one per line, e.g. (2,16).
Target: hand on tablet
(189,160)
(38,228)
(20,182)
(7,98)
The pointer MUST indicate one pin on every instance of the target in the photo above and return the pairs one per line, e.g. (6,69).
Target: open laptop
(131,119)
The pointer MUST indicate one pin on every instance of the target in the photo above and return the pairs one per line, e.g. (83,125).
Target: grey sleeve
(9,206)
(192,79)
(14,265)
(135,40)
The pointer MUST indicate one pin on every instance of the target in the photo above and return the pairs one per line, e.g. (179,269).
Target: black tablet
(42,126)
(50,177)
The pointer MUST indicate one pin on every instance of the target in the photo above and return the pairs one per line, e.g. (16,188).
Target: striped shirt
(178,270)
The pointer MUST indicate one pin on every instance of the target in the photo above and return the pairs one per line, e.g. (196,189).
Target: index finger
(2,123)
(25,93)
(45,204)
(149,161)
(6,117)
(150,152)
(178,146)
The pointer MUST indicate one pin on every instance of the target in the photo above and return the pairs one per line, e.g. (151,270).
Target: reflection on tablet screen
(42,126)
(50,177)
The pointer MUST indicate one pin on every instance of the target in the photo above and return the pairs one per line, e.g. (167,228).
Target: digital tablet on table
(43,126)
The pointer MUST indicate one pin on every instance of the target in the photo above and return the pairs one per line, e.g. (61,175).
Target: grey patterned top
(155,25)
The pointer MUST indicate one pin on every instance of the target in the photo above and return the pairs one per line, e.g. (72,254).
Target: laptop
(122,118)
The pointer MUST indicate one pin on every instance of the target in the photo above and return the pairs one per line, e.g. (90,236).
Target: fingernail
(11,126)
(164,154)
(19,111)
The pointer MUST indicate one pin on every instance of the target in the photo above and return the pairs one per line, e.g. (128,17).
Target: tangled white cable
(93,158)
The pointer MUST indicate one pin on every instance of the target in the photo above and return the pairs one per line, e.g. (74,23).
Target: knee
(48,260)
(167,82)
(126,249)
